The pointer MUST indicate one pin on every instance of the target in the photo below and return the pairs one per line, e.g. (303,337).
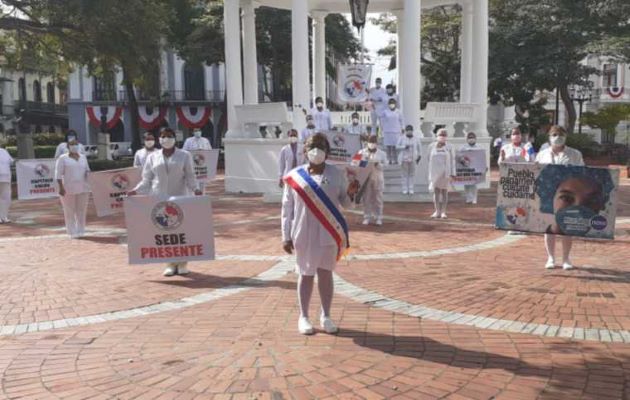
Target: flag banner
(36,179)
(205,163)
(558,199)
(109,189)
(470,166)
(357,173)
(353,81)
(342,146)
(175,229)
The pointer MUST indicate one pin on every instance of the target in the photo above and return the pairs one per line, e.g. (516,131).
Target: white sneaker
(567,265)
(304,326)
(405,191)
(474,202)
(410,191)
(550,263)
(435,215)
(326,324)
(182,270)
(379,221)
(366,221)
(443,216)
(170,271)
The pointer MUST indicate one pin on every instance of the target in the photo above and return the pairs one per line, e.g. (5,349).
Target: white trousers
(407,171)
(74,212)
(5,200)
(373,199)
(471,193)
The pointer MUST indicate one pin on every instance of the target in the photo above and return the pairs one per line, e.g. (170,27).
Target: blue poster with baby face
(558,199)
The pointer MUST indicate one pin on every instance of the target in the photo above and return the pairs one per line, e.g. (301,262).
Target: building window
(50,93)
(194,82)
(38,129)
(609,76)
(37,91)
(22,89)
(104,87)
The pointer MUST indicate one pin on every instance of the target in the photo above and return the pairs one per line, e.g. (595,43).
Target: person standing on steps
(392,127)
(409,154)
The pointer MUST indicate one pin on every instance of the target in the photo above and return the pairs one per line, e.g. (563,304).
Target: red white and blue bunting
(151,117)
(193,117)
(615,92)
(112,115)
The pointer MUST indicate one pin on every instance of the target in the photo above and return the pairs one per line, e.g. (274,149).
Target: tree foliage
(607,119)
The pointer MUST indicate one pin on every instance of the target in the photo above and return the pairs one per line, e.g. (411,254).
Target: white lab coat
(373,195)
(314,246)
(306,133)
(168,176)
(409,149)
(568,156)
(5,184)
(141,156)
(5,166)
(73,173)
(391,126)
(514,154)
(62,148)
(287,157)
(193,143)
(441,166)
(322,119)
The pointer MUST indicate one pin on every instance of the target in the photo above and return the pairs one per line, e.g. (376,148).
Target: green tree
(607,119)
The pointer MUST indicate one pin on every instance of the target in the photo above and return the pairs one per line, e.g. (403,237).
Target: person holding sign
(291,156)
(141,155)
(375,186)
(5,185)
(559,153)
(409,154)
(169,172)
(441,171)
(313,227)
(515,151)
(71,172)
(471,145)
(62,148)
(392,127)
(197,142)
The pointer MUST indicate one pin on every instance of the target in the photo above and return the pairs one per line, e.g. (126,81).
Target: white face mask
(167,142)
(390,91)
(316,156)
(557,140)
(71,138)
(472,141)
(149,144)
(371,146)
(441,139)
(392,106)
(320,105)
(197,134)
(293,139)
(73,148)
(355,121)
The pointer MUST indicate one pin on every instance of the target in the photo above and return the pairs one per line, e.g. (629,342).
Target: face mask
(197,134)
(516,139)
(390,91)
(167,142)
(293,139)
(71,138)
(310,125)
(409,134)
(378,85)
(575,220)
(355,121)
(441,139)
(472,141)
(557,140)
(149,144)
(372,146)
(320,105)
(392,106)
(316,156)
(73,148)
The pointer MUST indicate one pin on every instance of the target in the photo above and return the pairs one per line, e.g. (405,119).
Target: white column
(299,47)
(479,84)
(319,54)
(410,69)
(400,27)
(250,61)
(233,75)
(467,49)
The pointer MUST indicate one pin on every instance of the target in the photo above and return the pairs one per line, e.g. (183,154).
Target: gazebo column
(410,69)
(479,84)
(250,61)
(319,53)
(299,47)
(466,73)
(400,23)
(233,75)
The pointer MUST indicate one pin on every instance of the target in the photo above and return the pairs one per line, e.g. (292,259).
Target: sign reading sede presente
(175,229)
(36,179)
(109,189)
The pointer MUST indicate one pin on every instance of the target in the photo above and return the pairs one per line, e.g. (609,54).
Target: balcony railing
(212,96)
(41,107)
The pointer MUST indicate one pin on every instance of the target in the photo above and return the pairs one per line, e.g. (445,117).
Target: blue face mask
(575,220)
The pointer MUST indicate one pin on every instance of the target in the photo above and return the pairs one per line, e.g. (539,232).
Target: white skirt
(312,258)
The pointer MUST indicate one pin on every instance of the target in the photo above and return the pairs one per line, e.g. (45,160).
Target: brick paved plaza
(427,309)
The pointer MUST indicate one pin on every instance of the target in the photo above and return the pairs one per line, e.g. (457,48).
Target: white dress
(314,246)
(441,166)
(391,126)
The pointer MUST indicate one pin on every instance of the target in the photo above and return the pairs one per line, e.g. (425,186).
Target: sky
(375,39)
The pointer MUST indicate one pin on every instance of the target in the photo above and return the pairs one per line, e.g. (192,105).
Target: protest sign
(357,174)
(176,229)
(205,163)
(109,189)
(342,146)
(470,166)
(353,82)
(565,200)
(36,179)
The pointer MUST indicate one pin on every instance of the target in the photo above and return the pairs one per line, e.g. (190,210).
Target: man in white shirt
(197,142)
(5,185)
(141,155)
(291,156)
(378,96)
(321,116)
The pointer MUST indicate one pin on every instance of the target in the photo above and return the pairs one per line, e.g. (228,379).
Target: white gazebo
(251,160)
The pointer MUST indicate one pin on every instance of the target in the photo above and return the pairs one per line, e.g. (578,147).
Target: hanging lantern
(358,8)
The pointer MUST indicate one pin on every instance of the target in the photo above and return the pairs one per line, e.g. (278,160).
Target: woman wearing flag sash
(314,227)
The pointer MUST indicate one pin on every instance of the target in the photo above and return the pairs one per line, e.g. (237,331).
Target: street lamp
(358,8)
(581,94)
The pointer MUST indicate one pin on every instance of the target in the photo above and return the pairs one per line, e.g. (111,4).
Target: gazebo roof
(342,6)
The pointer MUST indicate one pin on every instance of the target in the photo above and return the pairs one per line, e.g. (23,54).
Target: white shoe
(182,270)
(304,326)
(551,264)
(170,271)
(326,324)
(410,191)
(379,221)
(443,216)
(366,221)
(567,265)
(435,215)
(405,191)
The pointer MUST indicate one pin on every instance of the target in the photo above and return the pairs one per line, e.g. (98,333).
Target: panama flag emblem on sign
(352,82)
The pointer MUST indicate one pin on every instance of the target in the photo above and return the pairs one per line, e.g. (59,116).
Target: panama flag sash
(321,206)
